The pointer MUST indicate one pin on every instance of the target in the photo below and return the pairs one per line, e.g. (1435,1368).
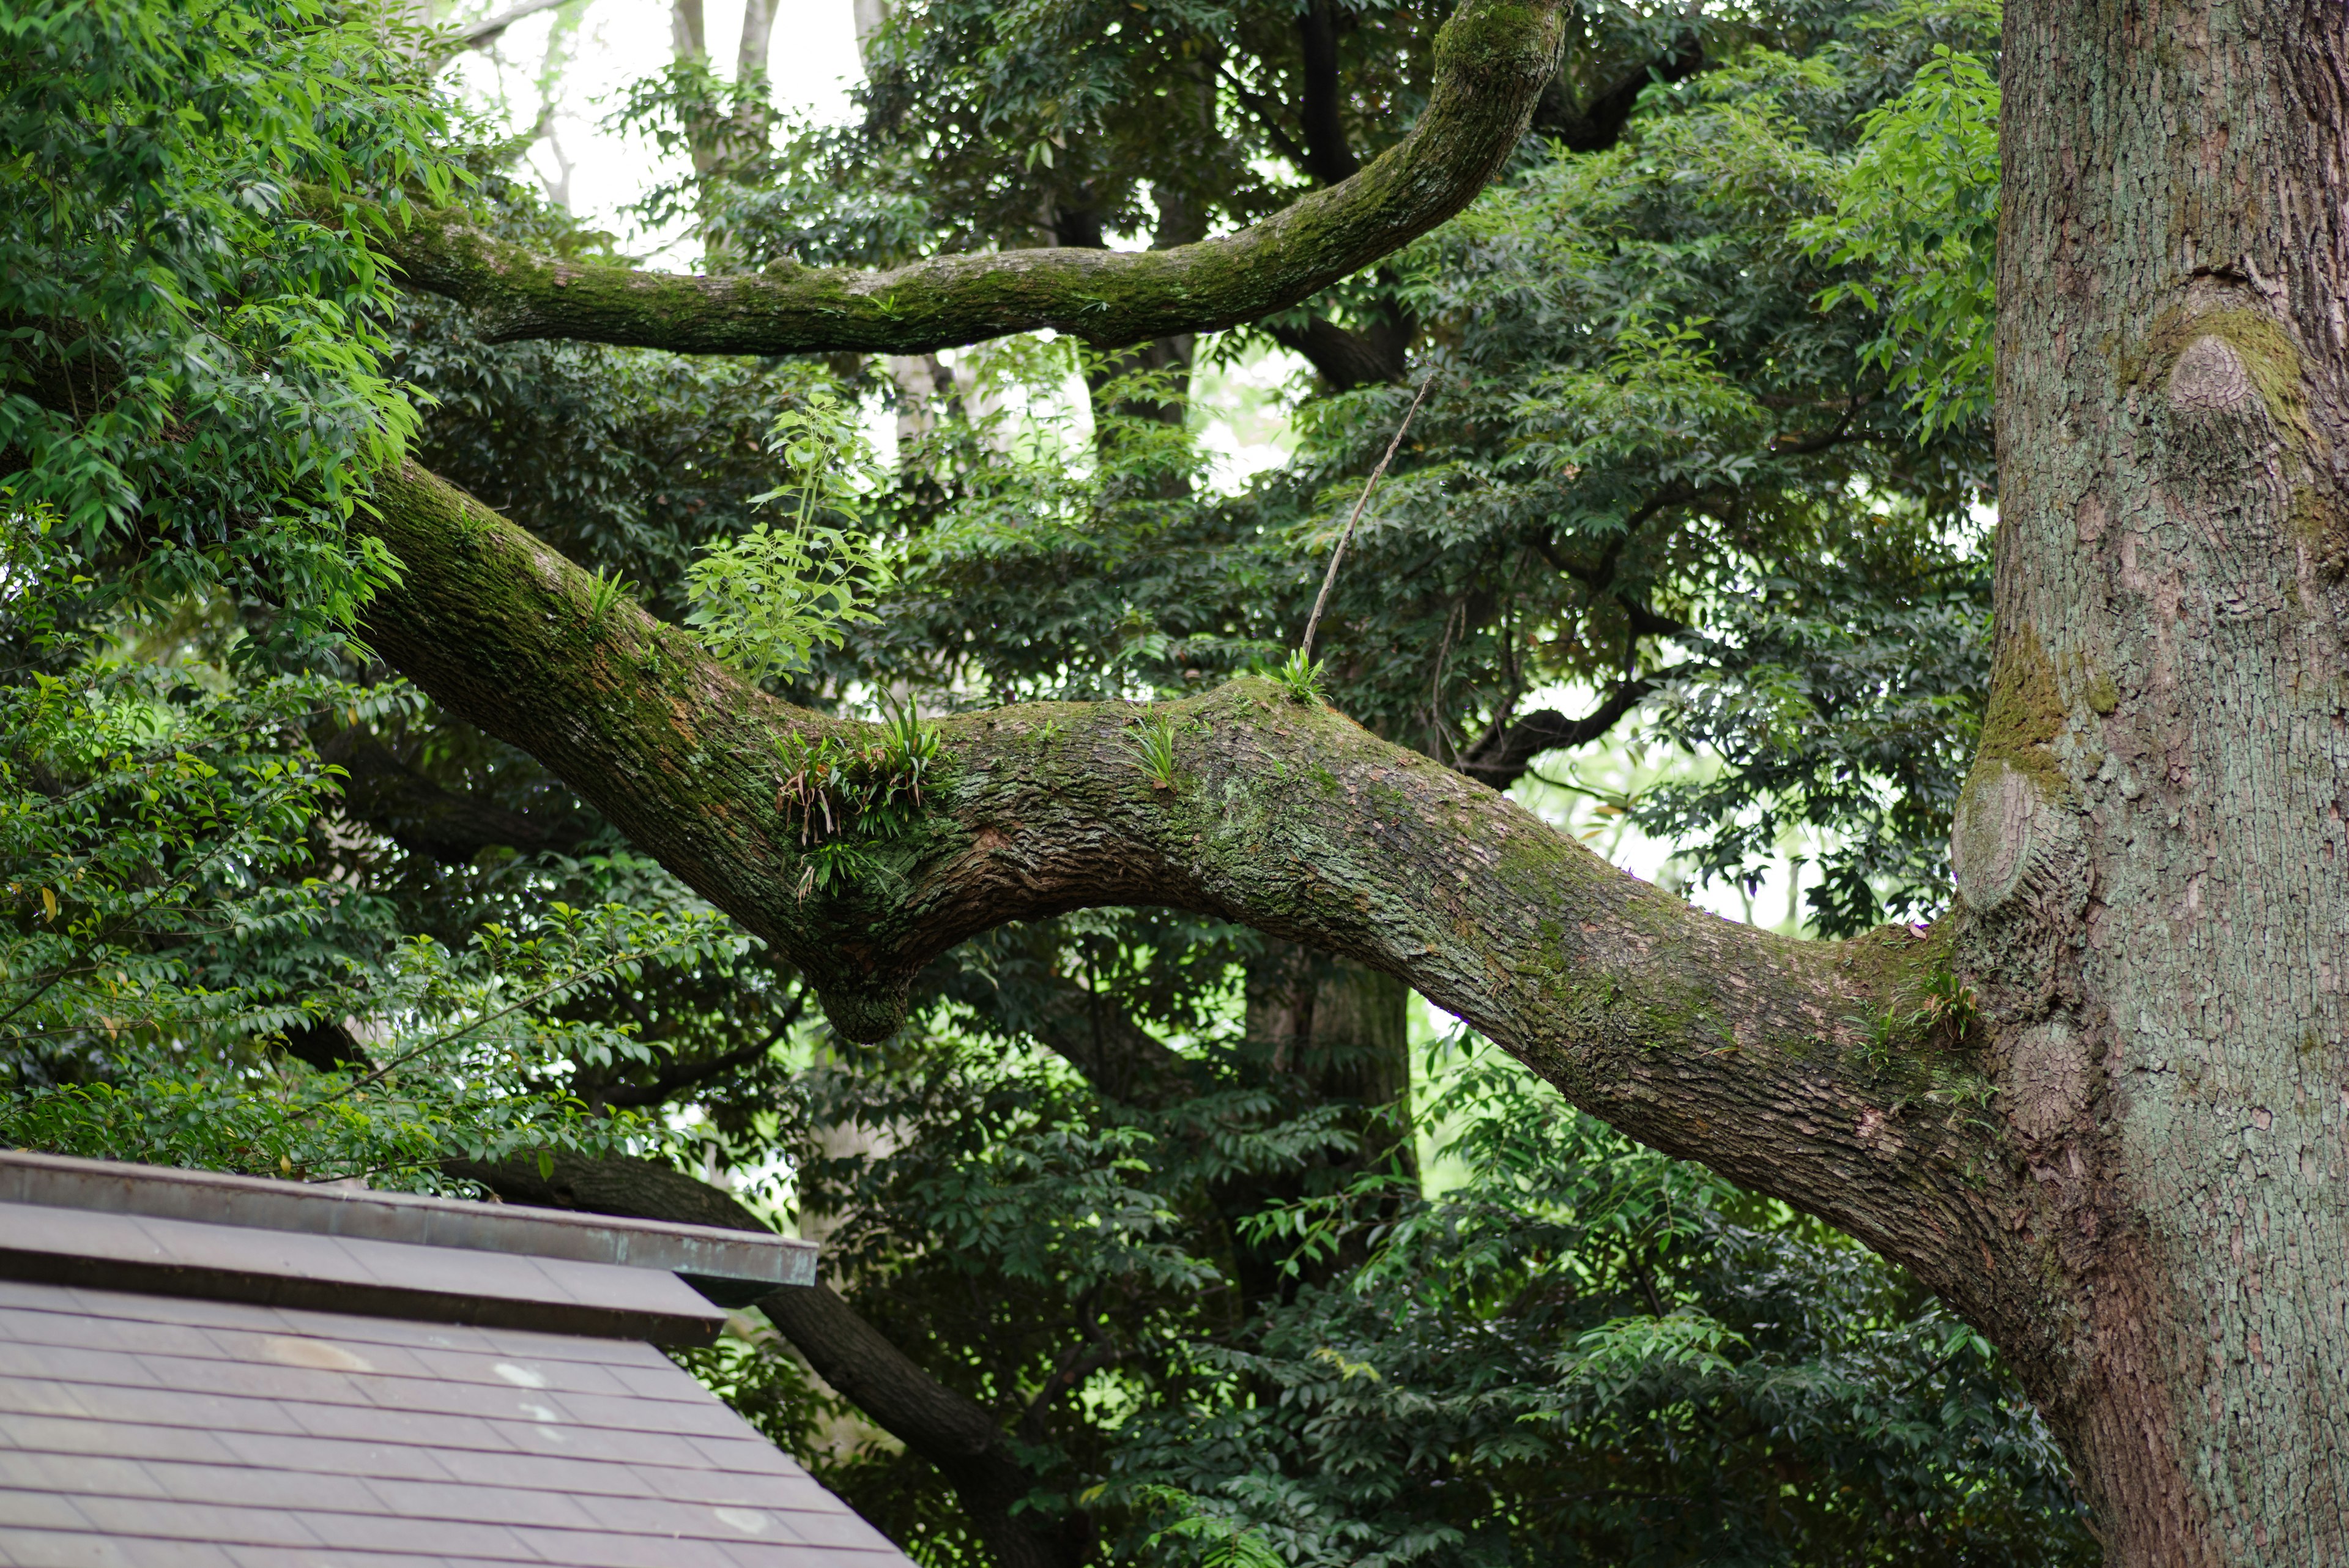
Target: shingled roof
(199,1371)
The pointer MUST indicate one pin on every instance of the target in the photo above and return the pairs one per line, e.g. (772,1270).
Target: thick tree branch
(953,1433)
(1492,61)
(1763,1056)
(481,35)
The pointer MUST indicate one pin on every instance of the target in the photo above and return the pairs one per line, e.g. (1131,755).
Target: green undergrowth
(851,802)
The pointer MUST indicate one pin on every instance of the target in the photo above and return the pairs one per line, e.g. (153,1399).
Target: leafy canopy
(191,322)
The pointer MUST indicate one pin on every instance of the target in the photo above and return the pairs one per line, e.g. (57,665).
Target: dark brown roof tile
(308,1464)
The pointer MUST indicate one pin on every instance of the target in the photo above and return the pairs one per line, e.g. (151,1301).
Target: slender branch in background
(582,977)
(1322,600)
(1438,732)
(481,35)
(685,1076)
(1265,115)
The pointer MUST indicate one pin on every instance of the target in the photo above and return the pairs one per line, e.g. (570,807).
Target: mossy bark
(1758,1054)
(2153,845)
(1492,60)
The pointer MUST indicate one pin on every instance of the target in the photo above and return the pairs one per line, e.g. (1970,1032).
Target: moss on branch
(1492,61)
(1705,1037)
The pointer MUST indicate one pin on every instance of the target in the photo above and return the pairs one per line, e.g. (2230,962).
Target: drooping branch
(953,1432)
(1492,61)
(1346,359)
(1763,1056)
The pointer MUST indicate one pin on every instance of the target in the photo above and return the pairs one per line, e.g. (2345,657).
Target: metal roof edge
(734,1266)
(145,1255)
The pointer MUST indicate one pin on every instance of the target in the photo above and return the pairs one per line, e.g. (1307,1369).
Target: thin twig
(486,31)
(582,977)
(1377,473)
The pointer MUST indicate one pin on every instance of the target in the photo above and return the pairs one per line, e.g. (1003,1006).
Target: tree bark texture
(1492,60)
(2151,851)
(1759,1054)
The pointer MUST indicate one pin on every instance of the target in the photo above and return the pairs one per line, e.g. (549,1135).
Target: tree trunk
(1334,1033)
(1342,1030)
(2151,849)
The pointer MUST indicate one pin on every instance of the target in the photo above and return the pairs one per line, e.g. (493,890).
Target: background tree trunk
(2151,849)
(1332,1032)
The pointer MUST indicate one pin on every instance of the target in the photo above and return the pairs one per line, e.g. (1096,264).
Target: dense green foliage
(192,398)
(1583,1353)
(1704,441)
(185,358)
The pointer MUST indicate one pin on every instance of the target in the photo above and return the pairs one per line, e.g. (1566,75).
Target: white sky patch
(812,66)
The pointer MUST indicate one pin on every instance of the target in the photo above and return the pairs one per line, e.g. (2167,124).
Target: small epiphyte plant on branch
(604,594)
(1152,745)
(1300,675)
(1942,1018)
(846,800)
(764,598)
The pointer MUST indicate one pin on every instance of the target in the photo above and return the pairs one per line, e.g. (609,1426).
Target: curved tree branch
(1094,1034)
(1503,753)
(685,1072)
(481,35)
(1492,61)
(1598,125)
(1346,359)
(1765,1057)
